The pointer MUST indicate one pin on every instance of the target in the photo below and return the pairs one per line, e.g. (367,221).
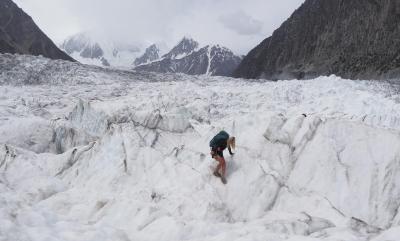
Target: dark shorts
(217,152)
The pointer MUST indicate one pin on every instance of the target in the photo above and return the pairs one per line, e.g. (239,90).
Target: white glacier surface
(98,154)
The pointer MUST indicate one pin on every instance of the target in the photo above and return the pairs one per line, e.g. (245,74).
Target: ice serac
(360,167)
(82,126)
(33,134)
(187,58)
(20,35)
(352,39)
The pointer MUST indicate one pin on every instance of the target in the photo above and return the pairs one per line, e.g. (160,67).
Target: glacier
(88,153)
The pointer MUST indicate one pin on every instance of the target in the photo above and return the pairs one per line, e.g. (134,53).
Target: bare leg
(221,165)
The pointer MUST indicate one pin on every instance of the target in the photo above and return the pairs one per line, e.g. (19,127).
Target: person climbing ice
(218,144)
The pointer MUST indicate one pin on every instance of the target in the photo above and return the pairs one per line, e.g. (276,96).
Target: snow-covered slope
(98,154)
(89,48)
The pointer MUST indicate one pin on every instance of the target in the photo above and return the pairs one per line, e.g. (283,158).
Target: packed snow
(99,154)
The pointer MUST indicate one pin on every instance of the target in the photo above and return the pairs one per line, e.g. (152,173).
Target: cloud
(237,24)
(241,23)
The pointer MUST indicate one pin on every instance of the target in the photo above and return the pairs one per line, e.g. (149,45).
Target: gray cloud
(241,23)
(242,26)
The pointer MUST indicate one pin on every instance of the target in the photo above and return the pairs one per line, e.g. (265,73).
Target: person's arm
(230,151)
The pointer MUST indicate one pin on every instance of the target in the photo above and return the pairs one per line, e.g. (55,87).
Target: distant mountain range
(88,48)
(349,38)
(19,34)
(186,57)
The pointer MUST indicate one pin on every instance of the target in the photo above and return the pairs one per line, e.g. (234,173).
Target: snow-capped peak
(77,43)
(151,53)
(186,57)
(97,49)
(185,47)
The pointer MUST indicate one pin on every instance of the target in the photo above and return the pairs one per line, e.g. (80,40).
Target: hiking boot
(223,179)
(216,173)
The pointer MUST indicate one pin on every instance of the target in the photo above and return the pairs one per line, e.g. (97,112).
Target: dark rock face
(210,60)
(357,39)
(105,62)
(223,61)
(19,34)
(150,54)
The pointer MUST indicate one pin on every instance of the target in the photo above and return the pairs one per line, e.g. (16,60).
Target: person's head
(231,142)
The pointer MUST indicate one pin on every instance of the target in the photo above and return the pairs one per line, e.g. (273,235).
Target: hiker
(218,144)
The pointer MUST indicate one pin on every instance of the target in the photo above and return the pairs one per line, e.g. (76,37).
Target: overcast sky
(237,24)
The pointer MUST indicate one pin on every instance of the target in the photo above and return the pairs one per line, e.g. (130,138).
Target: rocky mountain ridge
(352,39)
(19,34)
